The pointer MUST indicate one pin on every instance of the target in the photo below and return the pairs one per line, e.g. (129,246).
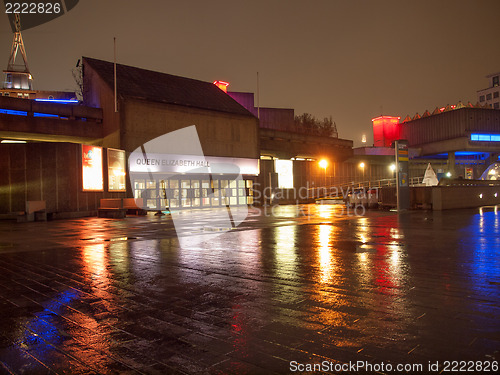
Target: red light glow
(222,85)
(385,130)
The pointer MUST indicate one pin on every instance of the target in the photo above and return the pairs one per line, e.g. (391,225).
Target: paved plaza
(288,289)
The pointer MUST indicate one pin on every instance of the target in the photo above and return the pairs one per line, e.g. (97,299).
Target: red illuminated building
(386,129)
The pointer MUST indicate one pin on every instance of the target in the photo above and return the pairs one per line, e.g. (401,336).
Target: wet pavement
(298,286)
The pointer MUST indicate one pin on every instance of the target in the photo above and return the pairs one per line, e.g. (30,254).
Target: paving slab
(289,286)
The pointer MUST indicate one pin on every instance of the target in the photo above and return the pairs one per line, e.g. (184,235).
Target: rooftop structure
(18,76)
(491,96)
(137,83)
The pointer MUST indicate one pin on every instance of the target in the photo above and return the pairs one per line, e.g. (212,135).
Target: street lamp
(362,166)
(323,163)
(392,168)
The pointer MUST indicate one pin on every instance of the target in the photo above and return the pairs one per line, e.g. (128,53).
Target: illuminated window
(495,138)
(284,168)
(485,137)
(496,81)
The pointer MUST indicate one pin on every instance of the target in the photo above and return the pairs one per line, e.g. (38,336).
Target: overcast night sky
(352,60)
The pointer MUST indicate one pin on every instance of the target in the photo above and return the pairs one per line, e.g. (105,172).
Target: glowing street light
(362,166)
(323,163)
(392,167)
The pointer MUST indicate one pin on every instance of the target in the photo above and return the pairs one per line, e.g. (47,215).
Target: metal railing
(341,190)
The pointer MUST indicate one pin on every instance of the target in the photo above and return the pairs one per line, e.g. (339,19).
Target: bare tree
(77,73)
(307,123)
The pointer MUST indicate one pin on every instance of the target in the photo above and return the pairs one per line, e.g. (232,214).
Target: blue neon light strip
(60,101)
(485,137)
(12,112)
(37,114)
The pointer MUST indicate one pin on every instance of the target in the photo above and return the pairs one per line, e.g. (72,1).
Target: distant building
(491,95)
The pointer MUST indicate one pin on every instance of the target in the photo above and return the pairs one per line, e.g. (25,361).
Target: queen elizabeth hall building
(72,155)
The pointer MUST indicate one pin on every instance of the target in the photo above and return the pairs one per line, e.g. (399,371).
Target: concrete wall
(445,197)
(282,119)
(221,134)
(49,172)
(450,197)
(97,93)
(285,145)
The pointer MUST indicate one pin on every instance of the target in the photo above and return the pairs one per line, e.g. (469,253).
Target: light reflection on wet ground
(298,283)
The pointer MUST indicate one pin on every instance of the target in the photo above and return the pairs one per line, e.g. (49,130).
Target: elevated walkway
(49,122)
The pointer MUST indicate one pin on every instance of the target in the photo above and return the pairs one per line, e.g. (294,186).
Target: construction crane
(18,76)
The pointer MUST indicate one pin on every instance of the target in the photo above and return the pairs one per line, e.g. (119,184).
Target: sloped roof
(160,87)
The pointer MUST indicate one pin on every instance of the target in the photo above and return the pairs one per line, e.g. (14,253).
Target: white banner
(169,163)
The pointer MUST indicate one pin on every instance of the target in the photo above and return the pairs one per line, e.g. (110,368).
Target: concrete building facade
(459,141)
(48,149)
(290,155)
(491,95)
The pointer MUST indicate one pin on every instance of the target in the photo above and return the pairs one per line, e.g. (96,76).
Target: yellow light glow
(118,172)
(12,141)
(392,167)
(323,163)
(361,165)
(325,257)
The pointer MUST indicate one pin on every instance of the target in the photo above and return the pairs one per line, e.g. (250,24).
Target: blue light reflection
(42,332)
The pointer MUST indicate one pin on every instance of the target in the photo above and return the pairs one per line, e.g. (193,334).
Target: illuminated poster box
(284,168)
(116,170)
(92,168)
